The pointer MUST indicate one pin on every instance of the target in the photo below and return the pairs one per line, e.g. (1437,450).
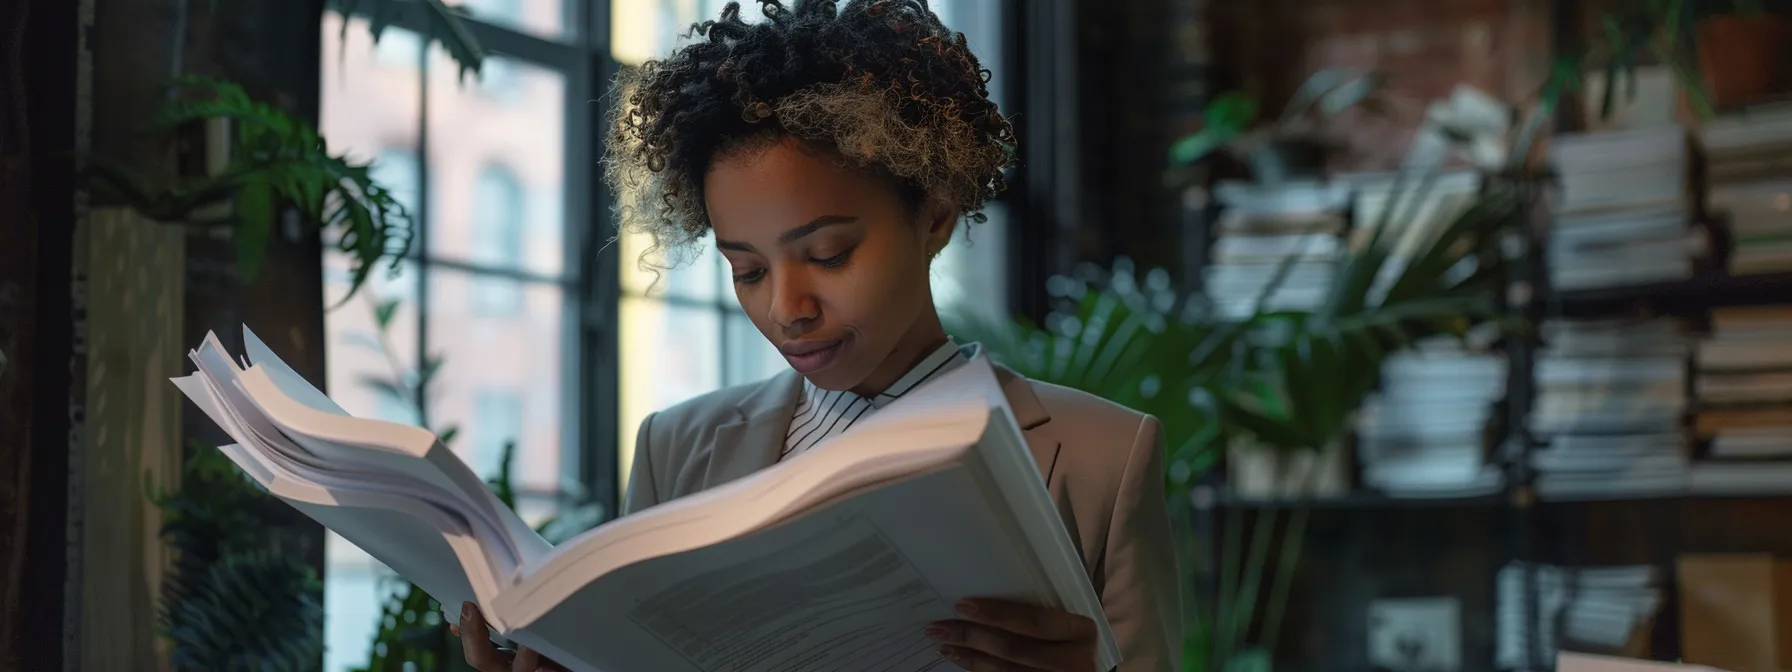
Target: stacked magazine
(835,559)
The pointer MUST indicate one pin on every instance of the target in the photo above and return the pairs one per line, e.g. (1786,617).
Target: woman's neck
(921,340)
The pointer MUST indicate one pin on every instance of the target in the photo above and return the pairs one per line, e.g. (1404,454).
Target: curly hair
(881,83)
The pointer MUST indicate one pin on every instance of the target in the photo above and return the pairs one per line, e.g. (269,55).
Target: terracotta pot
(1738,57)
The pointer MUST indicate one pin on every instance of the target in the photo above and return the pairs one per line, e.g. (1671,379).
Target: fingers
(1006,650)
(1052,625)
(477,645)
(526,660)
(978,661)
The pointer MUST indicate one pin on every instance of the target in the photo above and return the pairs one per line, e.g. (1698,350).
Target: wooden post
(135,270)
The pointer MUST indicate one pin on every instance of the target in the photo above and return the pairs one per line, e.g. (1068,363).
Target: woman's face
(830,263)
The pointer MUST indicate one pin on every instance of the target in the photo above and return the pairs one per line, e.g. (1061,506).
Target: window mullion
(422,224)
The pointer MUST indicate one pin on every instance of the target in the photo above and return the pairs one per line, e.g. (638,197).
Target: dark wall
(37,133)
(1124,64)
(270,46)
(1106,89)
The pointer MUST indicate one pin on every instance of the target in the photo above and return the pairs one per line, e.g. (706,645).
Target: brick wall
(1425,47)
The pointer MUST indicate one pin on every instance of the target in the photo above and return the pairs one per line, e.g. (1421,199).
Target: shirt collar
(940,360)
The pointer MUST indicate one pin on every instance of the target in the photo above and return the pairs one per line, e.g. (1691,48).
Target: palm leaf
(444,26)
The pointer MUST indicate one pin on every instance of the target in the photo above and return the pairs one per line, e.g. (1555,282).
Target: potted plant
(1290,147)
(231,602)
(1288,379)
(1741,52)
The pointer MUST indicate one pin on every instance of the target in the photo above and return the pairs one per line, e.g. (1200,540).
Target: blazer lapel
(755,440)
(1032,417)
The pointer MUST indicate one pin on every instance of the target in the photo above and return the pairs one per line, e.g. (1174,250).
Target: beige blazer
(1103,464)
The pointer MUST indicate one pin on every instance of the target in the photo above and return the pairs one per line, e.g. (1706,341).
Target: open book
(835,559)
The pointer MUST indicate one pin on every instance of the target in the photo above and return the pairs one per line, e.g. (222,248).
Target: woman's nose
(794,306)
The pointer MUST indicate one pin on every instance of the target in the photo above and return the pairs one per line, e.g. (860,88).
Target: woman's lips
(808,358)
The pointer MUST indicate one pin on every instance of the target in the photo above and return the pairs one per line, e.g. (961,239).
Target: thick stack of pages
(1748,173)
(1424,433)
(1744,392)
(1263,227)
(1592,609)
(1622,218)
(1610,399)
(833,560)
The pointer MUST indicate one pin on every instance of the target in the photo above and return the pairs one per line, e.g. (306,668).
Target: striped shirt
(822,414)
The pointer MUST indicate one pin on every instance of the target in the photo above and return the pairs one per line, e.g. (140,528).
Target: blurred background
(1468,320)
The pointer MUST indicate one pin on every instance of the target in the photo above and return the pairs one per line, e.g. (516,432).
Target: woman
(830,152)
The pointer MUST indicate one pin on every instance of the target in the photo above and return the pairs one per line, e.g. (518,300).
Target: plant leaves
(1223,120)
(445,26)
(394,390)
(1249,660)
(255,221)
(383,312)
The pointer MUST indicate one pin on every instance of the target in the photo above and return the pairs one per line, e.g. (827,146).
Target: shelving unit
(1522,522)
(1529,515)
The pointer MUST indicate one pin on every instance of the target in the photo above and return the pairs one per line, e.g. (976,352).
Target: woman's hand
(483,655)
(997,636)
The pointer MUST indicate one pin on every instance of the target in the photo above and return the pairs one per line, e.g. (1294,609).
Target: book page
(849,601)
(849,587)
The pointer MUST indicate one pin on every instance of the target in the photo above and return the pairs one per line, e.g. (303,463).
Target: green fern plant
(277,161)
(1288,379)
(230,602)
(252,610)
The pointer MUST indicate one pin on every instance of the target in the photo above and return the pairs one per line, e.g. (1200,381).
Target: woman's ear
(942,221)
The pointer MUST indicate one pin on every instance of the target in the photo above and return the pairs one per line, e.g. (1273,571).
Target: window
(397,48)
(498,238)
(489,290)
(686,335)
(498,420)
(552,19)
(971,274)
(504,285)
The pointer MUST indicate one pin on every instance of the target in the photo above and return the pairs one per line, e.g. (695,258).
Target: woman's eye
(748,277)
(833,261)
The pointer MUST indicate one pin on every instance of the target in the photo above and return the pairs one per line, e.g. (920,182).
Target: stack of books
(1424,433)
(1413,209)
(1587,609)
(1748,170)
(1610,396)
(1260,230)
(1744,392)
(1624,208)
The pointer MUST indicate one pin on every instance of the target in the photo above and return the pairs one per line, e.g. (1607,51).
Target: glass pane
(701,276)
(497,168)
(981,23)
(395,49)
(553,19)
(668,354)
(399,171)
(366,362)
(750,357)
(647,29)
(354,592)
(370,109)
(971,273)
(499,379)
